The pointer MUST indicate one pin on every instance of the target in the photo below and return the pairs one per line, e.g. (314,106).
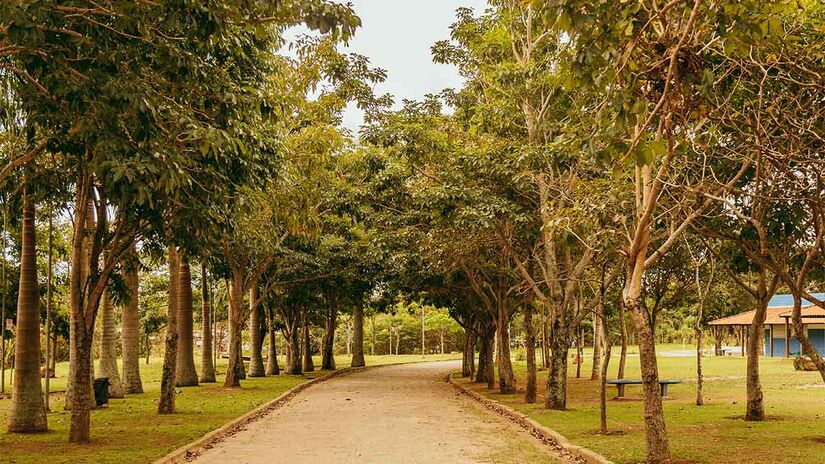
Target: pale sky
(397,35)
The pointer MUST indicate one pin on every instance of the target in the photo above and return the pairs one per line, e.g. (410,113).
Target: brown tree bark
(306,361)
(272,367)
(84,225)
(108,348)
(256,340)
(292,334)
(623,335)
(130,333)
(755,409)
(328,341)
(658,445)
(207,361)
(358,338)
(486,361)
(469,353)
(530,348)
(506,375)
(556,396)
(603,389)
(166,403)
(185,373)
(235,369)
(28,412)
(598,340)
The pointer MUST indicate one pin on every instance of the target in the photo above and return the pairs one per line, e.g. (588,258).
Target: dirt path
(399,414)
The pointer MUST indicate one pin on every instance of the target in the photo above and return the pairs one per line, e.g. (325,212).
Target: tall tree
(28,412)
(130,320)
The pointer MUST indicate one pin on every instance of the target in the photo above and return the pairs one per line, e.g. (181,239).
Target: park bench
(622,383)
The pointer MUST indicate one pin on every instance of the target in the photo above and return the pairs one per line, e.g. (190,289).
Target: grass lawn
(129,430)
(795,402)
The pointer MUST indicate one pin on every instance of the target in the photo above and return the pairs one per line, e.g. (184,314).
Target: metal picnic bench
(621,383)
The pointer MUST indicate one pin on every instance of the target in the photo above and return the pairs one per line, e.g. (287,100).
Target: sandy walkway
(399,414)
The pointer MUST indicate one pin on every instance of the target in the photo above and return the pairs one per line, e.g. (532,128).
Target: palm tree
(207,364)
(108,348)
(130,328)
(28,412)
(185,375)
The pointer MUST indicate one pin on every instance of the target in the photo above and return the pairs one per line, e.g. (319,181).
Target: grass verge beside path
(129,430)
(794,401)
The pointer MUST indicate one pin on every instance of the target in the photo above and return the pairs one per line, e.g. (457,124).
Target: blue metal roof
(786,301)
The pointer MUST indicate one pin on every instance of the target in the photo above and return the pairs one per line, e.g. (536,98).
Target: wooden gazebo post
(787,338)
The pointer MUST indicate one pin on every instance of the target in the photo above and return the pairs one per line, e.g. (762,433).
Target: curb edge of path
(547,435)
(192,450)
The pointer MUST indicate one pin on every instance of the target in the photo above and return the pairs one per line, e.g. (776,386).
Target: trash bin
(101,387)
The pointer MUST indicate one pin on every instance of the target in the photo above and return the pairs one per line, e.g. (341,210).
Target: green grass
(795,402)
(129,430)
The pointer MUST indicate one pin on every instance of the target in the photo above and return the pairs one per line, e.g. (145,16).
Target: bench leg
(664,390)
(620,389)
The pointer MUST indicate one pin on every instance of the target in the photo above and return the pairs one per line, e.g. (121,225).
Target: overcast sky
(397,36)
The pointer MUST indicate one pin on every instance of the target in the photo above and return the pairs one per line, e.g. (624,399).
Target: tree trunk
(166,404)
(306,361)
(235,369)
(530,348)
(256,339)
(598,340)
(84,225)
(328,341)
(28,412)
(185,373)
(294,356)
(83,307)
(556,397)
(372,345)
(805,342)
(506,375)
(700,400)
(486,363)
(755,410)
(207,361)
(130,333)
(579,350)
(469,353)
(623,335)
(272,367)
(603,390)
(358,338)
(108,348)
(658,445)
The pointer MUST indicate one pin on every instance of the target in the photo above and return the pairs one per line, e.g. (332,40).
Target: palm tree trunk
(272,367)
(207,362)
(28,412)
(166,404)
(130,320)
(185,373)
(108,348)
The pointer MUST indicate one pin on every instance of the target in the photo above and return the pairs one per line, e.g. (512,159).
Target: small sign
(9,324)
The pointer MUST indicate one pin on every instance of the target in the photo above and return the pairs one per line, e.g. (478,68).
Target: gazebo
(779,339)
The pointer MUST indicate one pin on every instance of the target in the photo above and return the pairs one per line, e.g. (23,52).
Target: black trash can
(101,387)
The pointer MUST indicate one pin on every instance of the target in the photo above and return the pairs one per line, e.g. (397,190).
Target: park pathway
(399,414)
